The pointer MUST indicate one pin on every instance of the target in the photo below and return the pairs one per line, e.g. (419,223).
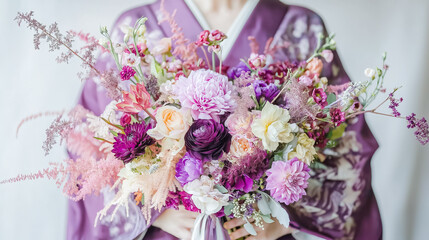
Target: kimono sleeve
(340,203)
(82,214)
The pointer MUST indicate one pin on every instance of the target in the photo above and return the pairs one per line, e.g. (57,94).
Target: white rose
(204,196)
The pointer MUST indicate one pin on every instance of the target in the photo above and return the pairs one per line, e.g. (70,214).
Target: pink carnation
(287,180)
(206,93)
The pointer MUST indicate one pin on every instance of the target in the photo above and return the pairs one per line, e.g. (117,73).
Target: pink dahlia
(136,100)
(287,180)
(206,93)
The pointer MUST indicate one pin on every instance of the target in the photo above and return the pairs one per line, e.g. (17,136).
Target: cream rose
(171,123)
(304,150)
(272,127)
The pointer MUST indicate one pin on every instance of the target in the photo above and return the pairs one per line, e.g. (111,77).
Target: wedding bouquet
(238,142)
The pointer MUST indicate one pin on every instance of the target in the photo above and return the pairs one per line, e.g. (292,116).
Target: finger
(235,222)
(187,222)
(187,213)
(251,238)
(241,232)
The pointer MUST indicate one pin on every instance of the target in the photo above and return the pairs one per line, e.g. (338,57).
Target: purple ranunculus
(268,91)
(235,72)
(188,169)
(207,139)
(133,143)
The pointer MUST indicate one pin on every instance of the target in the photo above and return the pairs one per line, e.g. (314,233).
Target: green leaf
(113,132)
(318,165)
(134,119)
(331,98)
(338,131)
(221,188)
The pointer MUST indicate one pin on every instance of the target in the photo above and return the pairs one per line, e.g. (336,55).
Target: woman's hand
(178,223)
(271,231)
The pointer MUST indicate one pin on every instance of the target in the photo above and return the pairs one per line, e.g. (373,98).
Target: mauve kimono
(340,203)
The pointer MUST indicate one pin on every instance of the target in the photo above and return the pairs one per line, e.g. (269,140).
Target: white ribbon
(205,228)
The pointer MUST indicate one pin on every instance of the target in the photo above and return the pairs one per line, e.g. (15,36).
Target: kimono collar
(233,31)
(262,23)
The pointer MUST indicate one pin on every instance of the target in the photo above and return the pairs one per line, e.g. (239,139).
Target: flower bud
(369,72)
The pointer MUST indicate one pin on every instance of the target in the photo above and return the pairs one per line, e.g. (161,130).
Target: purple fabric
(341,199)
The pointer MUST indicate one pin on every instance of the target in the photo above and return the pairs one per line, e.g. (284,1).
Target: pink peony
(206,93)
(136,100)
(287,180)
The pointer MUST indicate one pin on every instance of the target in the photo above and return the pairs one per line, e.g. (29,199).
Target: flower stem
(150,114)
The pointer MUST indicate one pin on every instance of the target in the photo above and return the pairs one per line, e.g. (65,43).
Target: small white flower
(369,72)
(130,59)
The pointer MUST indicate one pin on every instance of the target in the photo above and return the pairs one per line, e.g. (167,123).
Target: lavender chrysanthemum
(133,143)
(206,93)
(287,180)
(188,169)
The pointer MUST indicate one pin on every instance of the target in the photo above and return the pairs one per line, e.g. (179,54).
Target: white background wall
(32,82)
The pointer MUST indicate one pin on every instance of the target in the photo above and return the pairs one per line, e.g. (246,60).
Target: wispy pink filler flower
(136,100)
(287,180)
(206,93)
(127,73)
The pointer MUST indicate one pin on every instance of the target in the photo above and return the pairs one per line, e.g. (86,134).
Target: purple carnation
(268,91)
(287,181)
(187,202)
(207,139)
(188,169)
(337,117)
(173,200)
(319,96)
(133,143)
(127,73)
(236,72)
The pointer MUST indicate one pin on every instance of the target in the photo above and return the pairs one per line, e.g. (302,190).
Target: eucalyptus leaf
(221,188)
(267,218)
(276,209)
(249,228)
(228,209)
(263,205)
(279,212)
